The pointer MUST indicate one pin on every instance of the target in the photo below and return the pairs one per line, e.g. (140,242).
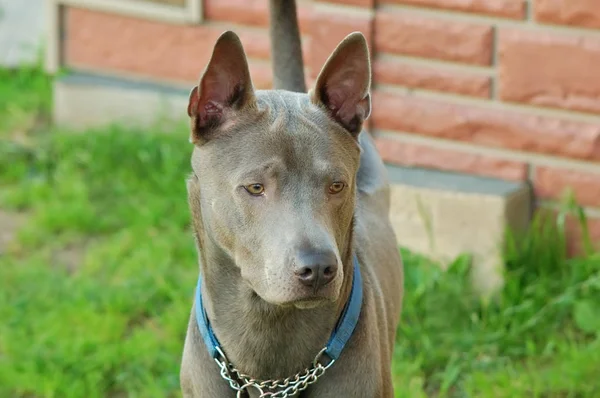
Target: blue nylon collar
(337,341)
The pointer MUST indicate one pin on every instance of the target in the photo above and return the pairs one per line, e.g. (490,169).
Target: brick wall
(499,88)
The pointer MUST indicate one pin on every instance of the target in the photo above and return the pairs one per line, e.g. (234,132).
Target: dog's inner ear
(224,88)
(344,83)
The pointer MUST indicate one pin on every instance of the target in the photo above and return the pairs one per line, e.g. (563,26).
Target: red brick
(585,13)
(114,43)
(328,30)
(551,183)
(514,9)
(359,3)
(546,69)
(421,36)
(257,44)
(488,127)
(111,42)
(249,12)
(575,235)
(245,12)
(573,229)
(262,74)
(416,155)
(431,78)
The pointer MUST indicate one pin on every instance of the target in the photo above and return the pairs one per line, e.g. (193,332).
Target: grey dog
(290,208)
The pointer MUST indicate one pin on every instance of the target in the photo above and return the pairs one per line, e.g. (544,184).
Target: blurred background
(487,113)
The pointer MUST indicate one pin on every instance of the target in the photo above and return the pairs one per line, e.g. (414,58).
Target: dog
(301,281)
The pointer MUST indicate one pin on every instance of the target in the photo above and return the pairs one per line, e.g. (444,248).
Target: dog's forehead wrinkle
(295,108)
(297,133)
(325,167)
(261,169)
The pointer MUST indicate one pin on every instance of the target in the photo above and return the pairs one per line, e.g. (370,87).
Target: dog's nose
(316,269)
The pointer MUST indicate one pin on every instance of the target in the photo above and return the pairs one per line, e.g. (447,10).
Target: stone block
(443,215)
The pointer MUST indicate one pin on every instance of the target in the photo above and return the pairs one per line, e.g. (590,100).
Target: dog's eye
(255,189)
(336,187)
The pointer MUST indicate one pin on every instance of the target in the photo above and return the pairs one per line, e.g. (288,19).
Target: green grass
(95,292)
(25,100)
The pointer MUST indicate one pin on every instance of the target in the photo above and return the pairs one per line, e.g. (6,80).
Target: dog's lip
(310,301)
(304,301)
(306,297)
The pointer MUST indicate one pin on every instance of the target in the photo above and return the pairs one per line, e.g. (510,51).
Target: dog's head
(274,181)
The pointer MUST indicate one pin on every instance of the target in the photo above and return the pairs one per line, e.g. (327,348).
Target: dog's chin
(299,297)
(303,302)
(310,303)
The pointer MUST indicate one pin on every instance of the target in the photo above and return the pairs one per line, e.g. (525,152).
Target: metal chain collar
(285,388)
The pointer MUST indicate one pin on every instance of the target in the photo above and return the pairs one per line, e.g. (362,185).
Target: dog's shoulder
(372,175)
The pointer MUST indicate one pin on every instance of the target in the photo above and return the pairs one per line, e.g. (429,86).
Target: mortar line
(529,12)
(448,65)
(537,159)
(478,19)
(494,78)
(531,170)
(523,109)
(590,212)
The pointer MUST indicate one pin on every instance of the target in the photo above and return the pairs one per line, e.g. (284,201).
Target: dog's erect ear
(344,83)
(224,87)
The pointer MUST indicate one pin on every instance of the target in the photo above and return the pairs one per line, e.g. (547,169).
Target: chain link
(285,388)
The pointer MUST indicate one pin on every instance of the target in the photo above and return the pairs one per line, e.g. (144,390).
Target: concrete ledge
(443,215)
(438,214)
(83,100)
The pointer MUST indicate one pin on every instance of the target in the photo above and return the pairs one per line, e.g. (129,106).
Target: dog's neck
(260,339)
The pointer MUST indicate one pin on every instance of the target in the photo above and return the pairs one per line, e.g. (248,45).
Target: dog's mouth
(300,297)
(302,302)
(310,303)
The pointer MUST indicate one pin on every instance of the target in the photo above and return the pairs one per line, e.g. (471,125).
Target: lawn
(96,286)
